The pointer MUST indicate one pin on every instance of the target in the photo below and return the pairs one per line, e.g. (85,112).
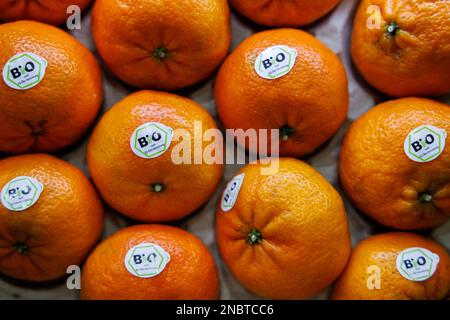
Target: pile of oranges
(281,228)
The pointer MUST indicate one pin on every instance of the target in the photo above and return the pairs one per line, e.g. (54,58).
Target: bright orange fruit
(282,13)
(48,11)
(308,103)
(284,235)
(180,267)
(372,272)
(401,47)
(38,243)
(393,188)
(161,43)
(56,111)
(158,188)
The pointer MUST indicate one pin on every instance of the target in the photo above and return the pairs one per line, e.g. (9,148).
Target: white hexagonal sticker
(21,193)
(417,264)
(275,62)
(231,192)
(151,140)
(425,143)
(24,71)
(146,260)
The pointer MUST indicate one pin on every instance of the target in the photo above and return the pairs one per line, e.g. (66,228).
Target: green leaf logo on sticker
(417,264)
(146,260)
(425,143)
(21,193)
(24,71)
(231,192)
(151,140)
(275,62)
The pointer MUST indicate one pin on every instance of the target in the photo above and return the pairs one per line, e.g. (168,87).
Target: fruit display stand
(335,31)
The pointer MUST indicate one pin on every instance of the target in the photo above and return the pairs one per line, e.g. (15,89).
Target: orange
(159,188)
(58,230)
(181,268)
(281,13)
(372,273)
(287,235)
(58,109)
(380,177)
(48,11)
(161,44)
(401,47)
(308,104)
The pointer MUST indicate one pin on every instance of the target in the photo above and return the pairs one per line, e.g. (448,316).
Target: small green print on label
(21,193)
(231,192)
(425,143)
(151,140)
(146,260)
(24,71)
(417,264)
(275,62)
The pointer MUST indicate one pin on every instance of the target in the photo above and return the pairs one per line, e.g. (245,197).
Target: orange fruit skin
(48,11)
(382,251)
(379,177)
(312,98)
(195,35)
(281,13)
(59,229)
(125,180)
(305,235)
(190,273)
(52,114)
(413,62)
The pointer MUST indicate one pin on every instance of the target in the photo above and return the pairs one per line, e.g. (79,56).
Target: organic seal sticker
(151,140)
(425,143)
(231,192)
(24,71)
(21,193)
(146,260)
(417,264)
(275,62)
